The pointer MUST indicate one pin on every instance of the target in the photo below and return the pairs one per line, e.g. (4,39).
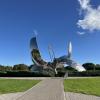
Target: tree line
(17,67)
(24,67)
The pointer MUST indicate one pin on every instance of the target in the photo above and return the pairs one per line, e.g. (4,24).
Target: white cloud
(80,33)
(84,3)
(91,20)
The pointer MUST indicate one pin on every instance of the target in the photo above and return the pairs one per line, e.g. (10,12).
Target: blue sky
(56,21)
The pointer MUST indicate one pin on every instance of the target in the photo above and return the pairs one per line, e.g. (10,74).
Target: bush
(84,74)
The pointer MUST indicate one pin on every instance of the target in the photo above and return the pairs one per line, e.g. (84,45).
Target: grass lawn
(16,85)
(86,86)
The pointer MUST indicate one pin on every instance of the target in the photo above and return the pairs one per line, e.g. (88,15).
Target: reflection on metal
(69,50)
(39,63)
(51,53)
(34,51)
(71,63)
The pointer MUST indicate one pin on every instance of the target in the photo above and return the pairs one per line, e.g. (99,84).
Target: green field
(16,85)
(86,86)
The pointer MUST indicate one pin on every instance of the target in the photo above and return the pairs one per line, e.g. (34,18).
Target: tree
(97,67)
(20,67)
(89,66)
(2,68)
(8,68)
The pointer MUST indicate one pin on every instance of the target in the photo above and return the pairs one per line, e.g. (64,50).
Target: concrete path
(49,89)
(79,96)
(11,96)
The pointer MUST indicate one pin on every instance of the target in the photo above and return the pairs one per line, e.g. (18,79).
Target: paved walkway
(49,89)
(79,96)
(11,96)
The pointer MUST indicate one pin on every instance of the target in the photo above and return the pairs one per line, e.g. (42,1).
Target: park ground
(16,85)
(89,86)
(86,86)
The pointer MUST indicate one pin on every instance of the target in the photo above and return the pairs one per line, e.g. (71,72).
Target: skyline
(55,22)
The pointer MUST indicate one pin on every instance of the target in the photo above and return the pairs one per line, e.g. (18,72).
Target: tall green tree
(20,67)
(89,66)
